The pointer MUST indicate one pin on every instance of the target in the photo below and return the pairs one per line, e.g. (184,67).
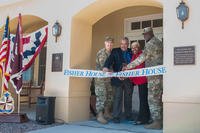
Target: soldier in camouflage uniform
(103,87)
(153,56)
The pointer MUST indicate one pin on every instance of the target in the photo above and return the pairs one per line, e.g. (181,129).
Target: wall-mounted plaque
(184,55)
(57,62)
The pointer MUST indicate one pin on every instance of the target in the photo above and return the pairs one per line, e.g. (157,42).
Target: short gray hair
(125,39)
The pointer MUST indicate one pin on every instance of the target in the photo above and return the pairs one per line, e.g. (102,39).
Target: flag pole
(2,88)
(20,52)
(18,110)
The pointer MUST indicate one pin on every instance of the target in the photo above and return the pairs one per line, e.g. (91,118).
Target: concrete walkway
(94,127)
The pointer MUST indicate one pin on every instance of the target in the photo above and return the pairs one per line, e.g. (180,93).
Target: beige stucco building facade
(84,25)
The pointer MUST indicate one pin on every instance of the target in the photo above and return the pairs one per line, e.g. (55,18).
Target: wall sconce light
(182,12)
(56,30)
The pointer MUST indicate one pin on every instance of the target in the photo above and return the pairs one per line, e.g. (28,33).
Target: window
(28,74)
(146,24)
(42,65)
(157,23)
(135,25)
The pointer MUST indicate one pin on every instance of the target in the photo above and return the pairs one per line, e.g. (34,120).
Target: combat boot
(157,124)
(107,113)
(101,119)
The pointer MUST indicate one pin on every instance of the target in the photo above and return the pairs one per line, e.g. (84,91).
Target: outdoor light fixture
(56,30)
(182,12)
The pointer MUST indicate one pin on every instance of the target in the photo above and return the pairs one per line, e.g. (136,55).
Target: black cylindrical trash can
(45,109)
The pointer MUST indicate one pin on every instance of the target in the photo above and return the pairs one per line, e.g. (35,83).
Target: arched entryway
(30,23)
(82,51)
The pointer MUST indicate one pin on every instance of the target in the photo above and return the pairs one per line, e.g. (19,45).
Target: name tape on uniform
(150,71)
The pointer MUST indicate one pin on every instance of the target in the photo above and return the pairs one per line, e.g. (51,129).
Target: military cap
(109,39)
(147,30)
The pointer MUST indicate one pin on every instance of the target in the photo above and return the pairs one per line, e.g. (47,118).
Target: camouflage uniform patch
(153,56)
(155,91)
(103,88)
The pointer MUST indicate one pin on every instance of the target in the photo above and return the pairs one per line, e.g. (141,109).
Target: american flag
(4,56)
